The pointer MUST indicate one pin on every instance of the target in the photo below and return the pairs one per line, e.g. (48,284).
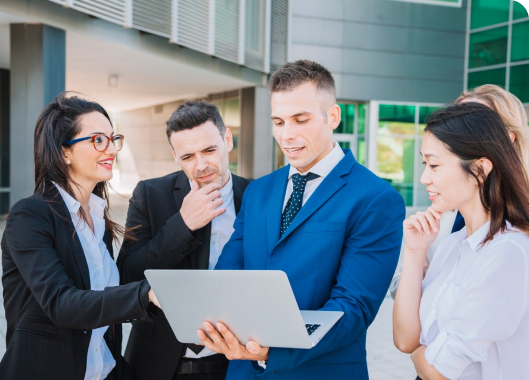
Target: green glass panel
(348,118)
(488,48)
(345,145)
(361,151)
(520,42)
(423,199)
(496,76)
(518,11)
(519,82)
(362,118)
(489,12)
(395,164)
(396,120)
(424,112)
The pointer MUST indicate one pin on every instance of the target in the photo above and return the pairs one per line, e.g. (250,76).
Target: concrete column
(38,62)
(256,138)
(4,141)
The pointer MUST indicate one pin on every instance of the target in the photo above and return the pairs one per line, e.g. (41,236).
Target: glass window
(348,119)
(424,112)
(496,76)
(345,144)
(361,118)
(489,12)
(395,157)
(396,120)
(488,48)
(361,153)
(519,82)
(230,113)
(423,199)
(518,11)
(520,42)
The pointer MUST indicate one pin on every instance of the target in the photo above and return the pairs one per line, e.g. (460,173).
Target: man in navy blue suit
(334,227)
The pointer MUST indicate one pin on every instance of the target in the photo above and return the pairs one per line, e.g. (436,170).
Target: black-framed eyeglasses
(100,141)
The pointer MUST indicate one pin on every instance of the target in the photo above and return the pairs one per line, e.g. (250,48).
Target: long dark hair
(57,124)
(472,131)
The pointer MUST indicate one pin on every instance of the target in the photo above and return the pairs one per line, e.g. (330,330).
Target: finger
(425,224)
(215,194)
(408,223)
(437,214)
(255,348)
(432,220)
(194,186)
(417,225)
(217,202)
(215,337)
(207,342)
(218,211)
(229,338)
(210,187)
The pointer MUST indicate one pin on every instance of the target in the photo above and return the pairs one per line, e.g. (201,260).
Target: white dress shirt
(221,231)
(322,168)
(103,273)
(474,308)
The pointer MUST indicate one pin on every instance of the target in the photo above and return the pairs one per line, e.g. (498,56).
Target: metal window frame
(441,3)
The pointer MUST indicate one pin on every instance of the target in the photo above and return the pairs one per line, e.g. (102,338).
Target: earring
(68,162)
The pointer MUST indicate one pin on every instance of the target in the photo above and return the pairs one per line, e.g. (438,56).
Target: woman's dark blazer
(49,308)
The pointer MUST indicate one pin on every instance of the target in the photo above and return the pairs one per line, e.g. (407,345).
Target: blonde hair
(510,109)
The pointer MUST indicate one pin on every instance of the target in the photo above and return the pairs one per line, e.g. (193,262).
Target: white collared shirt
(474,308)
(322,168)
(221,231)
(103,273)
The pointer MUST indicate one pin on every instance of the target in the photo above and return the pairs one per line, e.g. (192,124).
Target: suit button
(142,318)
(84,332)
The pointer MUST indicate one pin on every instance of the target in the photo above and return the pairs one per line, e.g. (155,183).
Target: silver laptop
(254,305)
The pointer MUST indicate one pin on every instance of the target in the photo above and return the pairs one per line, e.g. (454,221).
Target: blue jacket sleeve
(369,258)
(232,256)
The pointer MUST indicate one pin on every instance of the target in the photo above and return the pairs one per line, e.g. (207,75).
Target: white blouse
(474,308)
(103,273)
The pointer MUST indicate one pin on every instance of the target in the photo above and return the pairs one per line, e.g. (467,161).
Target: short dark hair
(191,114)
(294,74)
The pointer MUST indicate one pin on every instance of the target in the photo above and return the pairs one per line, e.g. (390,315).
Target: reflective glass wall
(499,46)
(399,135)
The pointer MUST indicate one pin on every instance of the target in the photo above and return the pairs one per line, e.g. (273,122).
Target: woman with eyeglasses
(63,305)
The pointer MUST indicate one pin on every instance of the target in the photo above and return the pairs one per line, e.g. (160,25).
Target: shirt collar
(478,236)
(325,165)
(97,204)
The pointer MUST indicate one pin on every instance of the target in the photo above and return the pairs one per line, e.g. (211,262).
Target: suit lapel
(58,205)
(275,208)
(238,191)
(330,185)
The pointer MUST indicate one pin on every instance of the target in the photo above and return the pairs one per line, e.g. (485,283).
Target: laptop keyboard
(311,328)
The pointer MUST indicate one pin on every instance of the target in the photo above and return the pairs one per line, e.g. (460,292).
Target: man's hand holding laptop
(222,341)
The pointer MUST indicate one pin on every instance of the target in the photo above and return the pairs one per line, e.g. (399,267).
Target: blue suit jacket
(339,253)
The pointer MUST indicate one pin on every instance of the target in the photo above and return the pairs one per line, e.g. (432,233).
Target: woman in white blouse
(469,317)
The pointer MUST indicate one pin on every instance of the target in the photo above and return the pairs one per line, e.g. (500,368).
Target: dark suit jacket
(163,242)
(50,310)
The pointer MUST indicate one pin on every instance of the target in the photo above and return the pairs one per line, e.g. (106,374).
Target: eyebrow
(302,113)
(101,133)
(427,155)
(203,150)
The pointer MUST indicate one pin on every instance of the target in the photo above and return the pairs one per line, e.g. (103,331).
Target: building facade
(394,61)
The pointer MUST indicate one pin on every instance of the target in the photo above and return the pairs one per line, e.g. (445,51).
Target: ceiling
(144,78)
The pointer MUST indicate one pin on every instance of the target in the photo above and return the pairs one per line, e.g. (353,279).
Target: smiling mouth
(294,150)
(107,164)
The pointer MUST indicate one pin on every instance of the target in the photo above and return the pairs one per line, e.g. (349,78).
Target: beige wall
(146,153)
